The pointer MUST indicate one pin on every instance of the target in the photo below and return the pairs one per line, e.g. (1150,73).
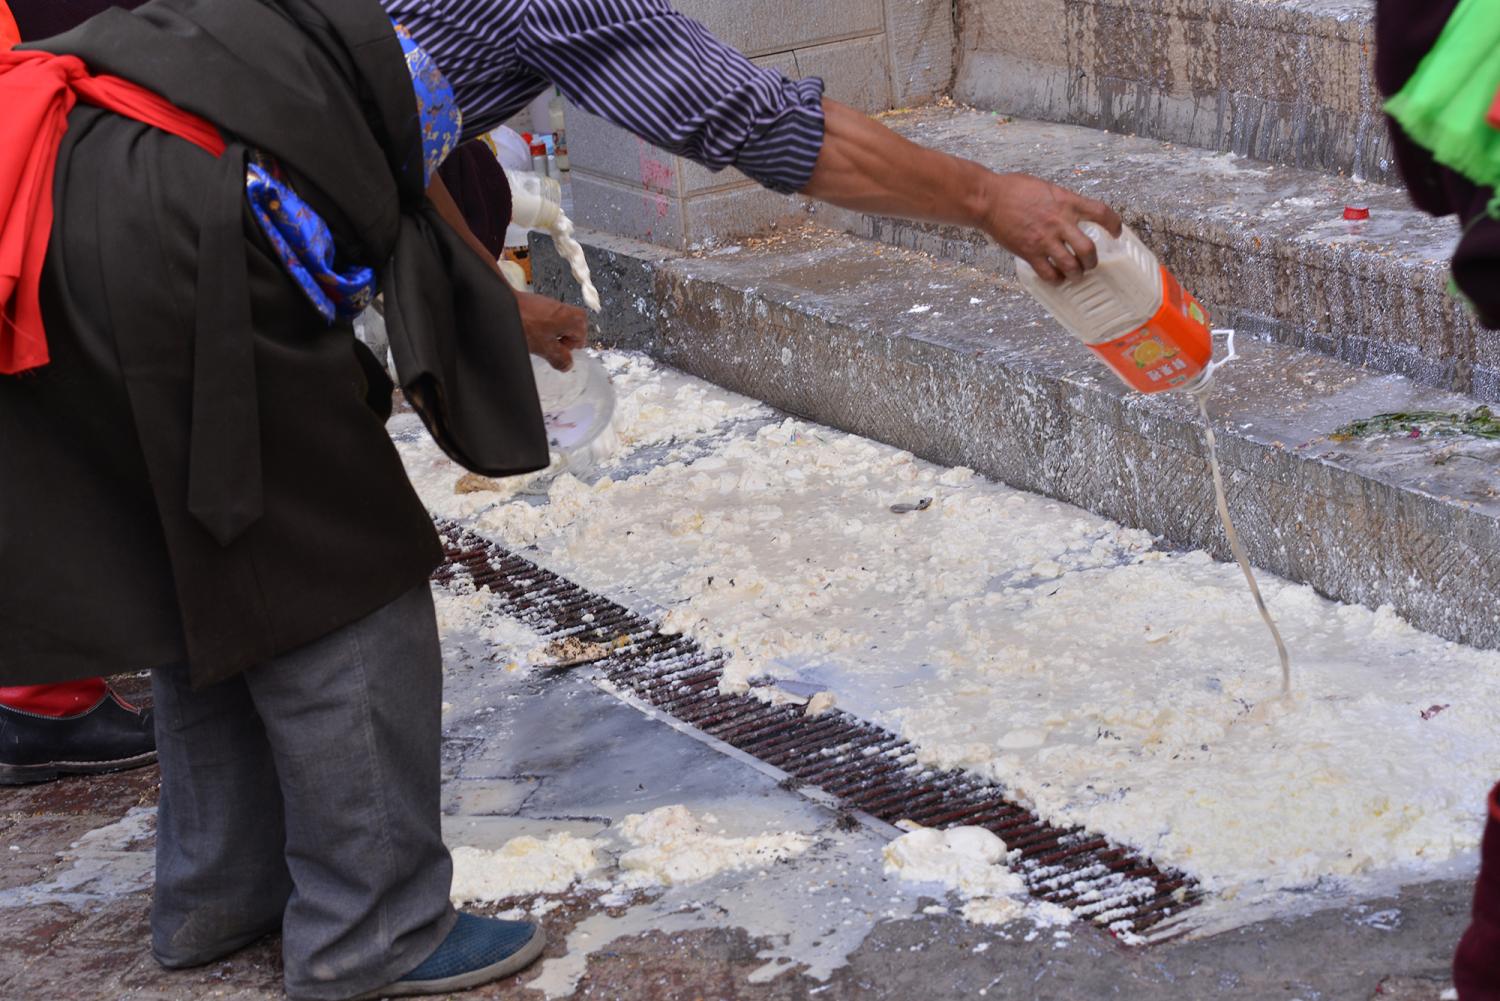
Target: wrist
(978,199)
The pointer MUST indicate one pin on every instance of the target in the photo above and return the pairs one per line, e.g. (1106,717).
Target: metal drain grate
(863,766)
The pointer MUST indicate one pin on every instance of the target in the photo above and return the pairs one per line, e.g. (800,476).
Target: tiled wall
(872,54)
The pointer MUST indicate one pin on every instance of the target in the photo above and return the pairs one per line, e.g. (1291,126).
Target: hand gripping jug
(1131,312)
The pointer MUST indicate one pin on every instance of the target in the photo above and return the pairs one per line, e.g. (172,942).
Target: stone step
(961,367)
(1290,81)
(1264,246)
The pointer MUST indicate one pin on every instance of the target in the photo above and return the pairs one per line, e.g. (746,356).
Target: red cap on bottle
(538,149)
(526,136)
(1353,212)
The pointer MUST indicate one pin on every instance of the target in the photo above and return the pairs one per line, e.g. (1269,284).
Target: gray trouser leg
(221,877)
(352,725)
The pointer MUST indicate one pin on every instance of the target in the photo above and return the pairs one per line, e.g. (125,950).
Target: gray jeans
(304,795)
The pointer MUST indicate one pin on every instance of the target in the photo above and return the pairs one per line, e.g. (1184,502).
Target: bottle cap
(1354,212)
(538,149)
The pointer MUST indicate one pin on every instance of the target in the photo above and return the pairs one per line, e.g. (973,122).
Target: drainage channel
(861,765)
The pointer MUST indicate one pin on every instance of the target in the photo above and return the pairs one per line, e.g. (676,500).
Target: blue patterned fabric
(442,121)
(305,245)
(303,241)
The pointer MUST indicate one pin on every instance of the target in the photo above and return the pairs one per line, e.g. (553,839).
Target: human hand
(554,330)
(1038,222)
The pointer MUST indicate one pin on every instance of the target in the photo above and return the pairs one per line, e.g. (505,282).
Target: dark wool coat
(202,472)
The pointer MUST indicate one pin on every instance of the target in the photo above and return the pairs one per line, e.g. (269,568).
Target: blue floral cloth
(442,121)
(303,241)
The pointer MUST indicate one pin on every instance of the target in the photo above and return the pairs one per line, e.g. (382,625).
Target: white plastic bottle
(536,203)
(1132,313)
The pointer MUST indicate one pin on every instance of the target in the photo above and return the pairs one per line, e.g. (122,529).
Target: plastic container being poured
(536,203)
(578,407)
(1133,314)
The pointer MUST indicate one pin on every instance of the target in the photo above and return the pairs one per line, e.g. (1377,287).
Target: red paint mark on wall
(656,175)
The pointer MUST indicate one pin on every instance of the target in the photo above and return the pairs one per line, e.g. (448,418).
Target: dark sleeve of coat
(477,183)
(45,18)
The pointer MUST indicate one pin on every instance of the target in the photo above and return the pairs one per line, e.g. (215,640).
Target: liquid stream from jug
(1220,498)
(570,250)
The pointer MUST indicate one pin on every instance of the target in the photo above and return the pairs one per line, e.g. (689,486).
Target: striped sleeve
(663,76)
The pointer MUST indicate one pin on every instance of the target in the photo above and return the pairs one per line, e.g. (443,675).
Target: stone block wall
(1290,81)
(872,54)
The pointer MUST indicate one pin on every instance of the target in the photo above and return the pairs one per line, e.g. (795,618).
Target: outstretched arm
(691,94)
(866,167)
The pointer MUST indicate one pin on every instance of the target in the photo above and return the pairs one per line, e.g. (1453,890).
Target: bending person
(196,475)
(73,727)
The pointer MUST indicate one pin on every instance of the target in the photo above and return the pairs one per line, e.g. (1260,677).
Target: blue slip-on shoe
(477,951)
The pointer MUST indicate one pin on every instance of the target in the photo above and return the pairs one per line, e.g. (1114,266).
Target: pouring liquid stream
(572,252)
(1221,500)
(1146,328)
(536,203)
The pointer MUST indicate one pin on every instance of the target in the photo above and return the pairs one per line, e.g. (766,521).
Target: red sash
(37,90)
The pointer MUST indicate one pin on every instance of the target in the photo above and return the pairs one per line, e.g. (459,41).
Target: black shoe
(110,737)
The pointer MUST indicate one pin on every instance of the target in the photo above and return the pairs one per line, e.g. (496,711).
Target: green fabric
(1443,106)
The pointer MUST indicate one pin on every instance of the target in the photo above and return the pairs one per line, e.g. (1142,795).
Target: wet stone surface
(586,759)
(833,328)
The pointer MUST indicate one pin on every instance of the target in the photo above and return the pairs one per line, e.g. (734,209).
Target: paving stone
(488,797)
(83,795)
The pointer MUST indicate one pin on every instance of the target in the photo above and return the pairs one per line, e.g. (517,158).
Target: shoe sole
(509,966)
(20,775)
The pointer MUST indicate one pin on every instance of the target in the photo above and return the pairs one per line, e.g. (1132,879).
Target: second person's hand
(554,330)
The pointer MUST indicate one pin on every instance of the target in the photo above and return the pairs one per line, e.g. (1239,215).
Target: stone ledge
(1265,246)
(827,327)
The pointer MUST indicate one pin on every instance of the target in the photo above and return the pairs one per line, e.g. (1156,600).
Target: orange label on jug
(1169,351)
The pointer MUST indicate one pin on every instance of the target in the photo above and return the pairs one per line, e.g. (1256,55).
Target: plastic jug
(536,201)
(1132,313)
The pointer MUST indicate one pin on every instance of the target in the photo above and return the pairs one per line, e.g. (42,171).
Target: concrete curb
(832,328)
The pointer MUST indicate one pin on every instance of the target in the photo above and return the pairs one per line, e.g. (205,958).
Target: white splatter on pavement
(1108,683)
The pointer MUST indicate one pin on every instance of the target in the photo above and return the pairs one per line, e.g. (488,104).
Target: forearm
(866,167)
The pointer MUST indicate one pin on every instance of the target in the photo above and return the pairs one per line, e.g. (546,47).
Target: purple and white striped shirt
(637,63)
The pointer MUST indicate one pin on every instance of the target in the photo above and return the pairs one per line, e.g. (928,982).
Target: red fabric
(37,90)
(1476,967)
(68,699)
